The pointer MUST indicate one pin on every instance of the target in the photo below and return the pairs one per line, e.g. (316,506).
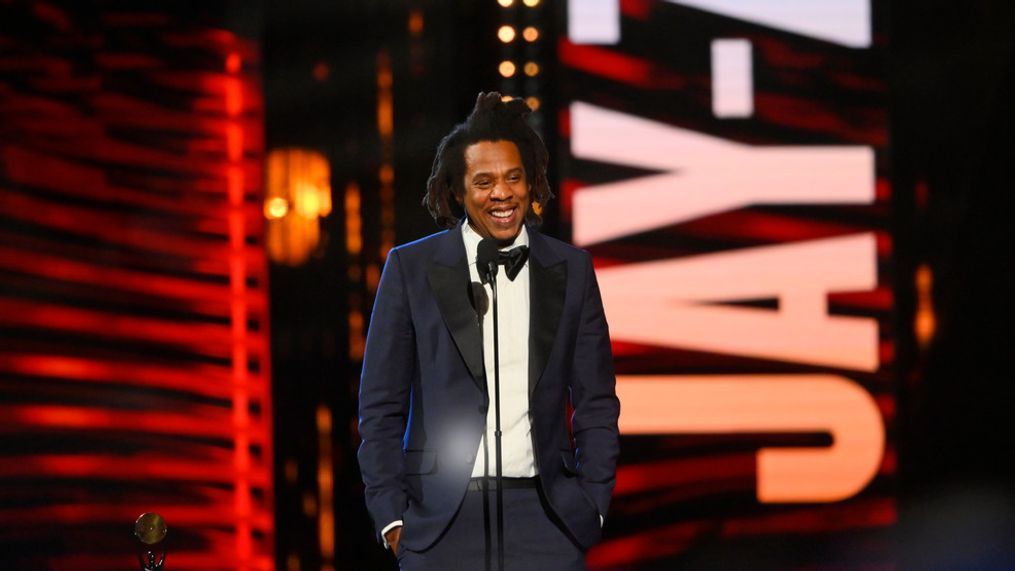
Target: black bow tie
(513,260)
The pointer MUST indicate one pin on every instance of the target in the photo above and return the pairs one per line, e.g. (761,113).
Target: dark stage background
(799,213)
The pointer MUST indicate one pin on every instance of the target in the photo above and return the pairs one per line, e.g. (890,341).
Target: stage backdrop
(134,370)
(724,162)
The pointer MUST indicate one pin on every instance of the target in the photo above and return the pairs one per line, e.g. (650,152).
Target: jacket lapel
(547,284)
(448,274)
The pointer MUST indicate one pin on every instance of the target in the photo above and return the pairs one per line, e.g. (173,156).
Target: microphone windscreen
(486,252)
(150,528)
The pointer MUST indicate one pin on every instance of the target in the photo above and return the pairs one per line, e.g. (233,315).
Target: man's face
(496,195)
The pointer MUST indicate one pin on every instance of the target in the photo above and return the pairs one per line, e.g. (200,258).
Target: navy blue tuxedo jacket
(423,397)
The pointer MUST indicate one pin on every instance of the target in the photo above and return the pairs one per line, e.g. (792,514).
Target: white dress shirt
(513,325)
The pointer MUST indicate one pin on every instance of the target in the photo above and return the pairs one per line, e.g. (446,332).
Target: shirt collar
(472,240)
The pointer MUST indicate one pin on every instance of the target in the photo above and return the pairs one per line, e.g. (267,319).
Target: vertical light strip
(353,222)
(926,322)
(325,489)
(238,311)
(732,79)
(354,249)
(386,174)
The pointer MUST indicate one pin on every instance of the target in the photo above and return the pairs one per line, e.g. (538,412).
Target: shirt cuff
(391,526)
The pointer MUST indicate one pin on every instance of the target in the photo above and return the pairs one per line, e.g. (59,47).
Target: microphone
(150,530)
(486,259)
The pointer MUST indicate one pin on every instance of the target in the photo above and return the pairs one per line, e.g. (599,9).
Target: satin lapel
(448,275)
(547,284)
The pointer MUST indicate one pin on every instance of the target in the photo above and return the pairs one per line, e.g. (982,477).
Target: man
(427,393)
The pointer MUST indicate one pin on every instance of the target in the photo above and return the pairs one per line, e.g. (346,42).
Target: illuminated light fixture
(325,487)
(531,68)
(416,23)
(353,220)
(531,3)
(506,3)
(275,208)
(531,33)
(506,34)
(310,203)
(507,68)
(506,98)
(533,103)
(298,195)
(925,322)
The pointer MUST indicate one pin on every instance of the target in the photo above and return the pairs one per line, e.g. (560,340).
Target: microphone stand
(491,274)
(497,431)
(481,303)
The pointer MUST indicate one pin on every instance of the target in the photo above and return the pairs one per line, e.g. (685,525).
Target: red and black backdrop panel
(134,364)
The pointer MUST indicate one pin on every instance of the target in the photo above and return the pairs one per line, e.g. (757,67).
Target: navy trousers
(534,540)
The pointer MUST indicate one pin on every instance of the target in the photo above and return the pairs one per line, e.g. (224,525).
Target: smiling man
(496,196)
(427,397)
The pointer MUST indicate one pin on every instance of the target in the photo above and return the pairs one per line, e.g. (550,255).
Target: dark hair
(491,120)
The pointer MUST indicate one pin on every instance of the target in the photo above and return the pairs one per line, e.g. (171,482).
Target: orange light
(275,208)
(506,34)
(416,23)
(531,34)
(925,321)
(531,68)
(533,103)
(531,3)
(507,68)
(506,98)
(385,104)
(506,3)
(386,174)
(298,194)
(325,487)
(308,201)
(353,220)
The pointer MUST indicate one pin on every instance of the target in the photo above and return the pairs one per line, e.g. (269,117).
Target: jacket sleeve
(388,364)
(594,397)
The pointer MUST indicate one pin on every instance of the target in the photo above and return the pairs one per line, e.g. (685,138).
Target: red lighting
(138,297)
(234,63)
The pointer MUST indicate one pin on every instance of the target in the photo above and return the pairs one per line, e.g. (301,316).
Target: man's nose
(501,190)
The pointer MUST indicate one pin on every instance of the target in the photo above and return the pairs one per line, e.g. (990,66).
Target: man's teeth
(502,213)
